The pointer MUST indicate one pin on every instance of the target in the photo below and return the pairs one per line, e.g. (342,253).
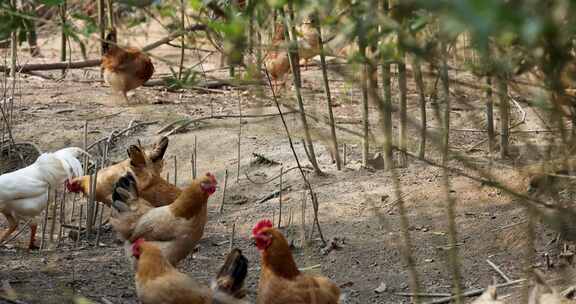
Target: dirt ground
(357,206)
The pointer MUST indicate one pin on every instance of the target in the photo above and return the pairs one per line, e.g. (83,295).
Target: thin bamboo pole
(316,22)
(293,57)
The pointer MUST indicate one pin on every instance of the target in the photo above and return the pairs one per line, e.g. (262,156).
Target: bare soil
(358,206)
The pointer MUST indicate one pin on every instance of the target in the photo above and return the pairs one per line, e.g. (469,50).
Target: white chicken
(24,193)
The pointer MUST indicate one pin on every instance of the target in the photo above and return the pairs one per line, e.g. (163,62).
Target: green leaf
(52,2)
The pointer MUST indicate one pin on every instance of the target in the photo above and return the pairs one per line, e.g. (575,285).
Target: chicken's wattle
(73,186)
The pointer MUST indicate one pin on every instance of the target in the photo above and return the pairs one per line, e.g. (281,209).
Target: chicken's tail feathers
(110,41)
(120,206)
(125,191)
(230,278)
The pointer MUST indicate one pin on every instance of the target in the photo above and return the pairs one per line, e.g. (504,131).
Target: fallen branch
(475,292)
(96,62)
(275,177)
(187,121)
(523,119)
(273,195)
(422,295)
(204,85)
(509,226)
(4,299)
(54,66)
(106,116)
(115,134)
(499,271)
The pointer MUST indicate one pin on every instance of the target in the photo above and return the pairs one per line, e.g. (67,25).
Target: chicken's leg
(12,225)
(124,95)
(32,245)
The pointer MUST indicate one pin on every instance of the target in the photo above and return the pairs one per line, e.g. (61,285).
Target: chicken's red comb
(137,243)
(212,178)
(261,225)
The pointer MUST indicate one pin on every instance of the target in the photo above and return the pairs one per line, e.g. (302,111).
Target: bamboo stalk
(280,198)
(306,181)
(102,24)
(62,219)
(53,220)
(86,144)
(450,201)
(446,117)
(80,216)
(45,222)
(99,226)
(239,137)
(110,11)
(195,159)
(303,222)
(224,191)
(91,206)
(344,155)
(192,165)
(175,170)
(490,116)
(232,236)
(504,117)
(386,113)
(364,78)
(417,69)
(316,23)
(182,40)
(74,199)
(402,83)
(291,38)
(13,49)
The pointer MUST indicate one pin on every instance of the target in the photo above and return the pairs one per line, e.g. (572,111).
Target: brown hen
(280,280)
(124,68)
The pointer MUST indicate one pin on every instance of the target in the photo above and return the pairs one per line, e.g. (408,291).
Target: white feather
(24,192)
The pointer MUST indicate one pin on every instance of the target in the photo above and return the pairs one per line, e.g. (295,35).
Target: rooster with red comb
(280,279)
